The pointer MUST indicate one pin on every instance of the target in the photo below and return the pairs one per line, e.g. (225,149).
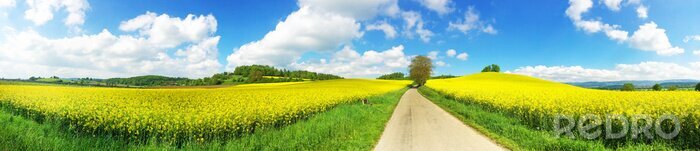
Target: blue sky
(547,39)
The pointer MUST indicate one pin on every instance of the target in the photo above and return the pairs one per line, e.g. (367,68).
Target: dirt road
(418,124)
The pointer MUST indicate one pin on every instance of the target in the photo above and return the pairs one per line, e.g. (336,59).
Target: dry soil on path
(418,124)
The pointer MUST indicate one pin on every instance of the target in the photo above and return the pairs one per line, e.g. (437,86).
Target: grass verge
(513,134)
(354,126)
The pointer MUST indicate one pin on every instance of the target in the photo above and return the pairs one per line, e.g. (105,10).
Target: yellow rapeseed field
(187,114)
(536,101)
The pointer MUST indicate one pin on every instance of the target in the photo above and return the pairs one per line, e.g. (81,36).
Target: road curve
(418,124)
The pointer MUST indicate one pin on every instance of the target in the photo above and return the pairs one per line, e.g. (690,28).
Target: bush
(656,87)
(628,87)
(673,88)
(697,87)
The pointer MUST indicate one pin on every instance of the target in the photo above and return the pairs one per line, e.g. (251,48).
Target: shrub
(673,88)
(656,87)
(697,87)
(628,87)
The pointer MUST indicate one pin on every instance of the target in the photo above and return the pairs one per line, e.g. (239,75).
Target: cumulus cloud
(349,63)
(303,31)
(7,3)
(318,25)
(389,31)
(441,63)
(433,55)
(451,52)
(641,71)
(108,55)
(441,7)
(414,25)
(42,11)
(357,9)
(463,56)
(613,5)
(696,52)
(642,12)
(691,38)
(651,38)
(471,21)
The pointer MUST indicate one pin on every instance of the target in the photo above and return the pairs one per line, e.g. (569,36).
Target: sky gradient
(568,41)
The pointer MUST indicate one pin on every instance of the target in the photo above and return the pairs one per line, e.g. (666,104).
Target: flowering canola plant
(537,101)
(174,115)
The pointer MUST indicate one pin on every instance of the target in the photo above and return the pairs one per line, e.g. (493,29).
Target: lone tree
(420,70)
(697,87)
(492,68)
(628,87)
(656,87)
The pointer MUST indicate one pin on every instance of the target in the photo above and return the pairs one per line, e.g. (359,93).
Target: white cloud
(42,11)
(433,55)
(641,71)
(442,7)
(647,38)
(349,63)
(169,32)
(303,31)
(108,55)
(650,38)
(578,7)
(318,25)
(451,52)
(389,31)
(414,25)
(357,9)
(490,30)
(462,56)
(471,22)
(613,5)
(691,38)
(7,3)
(642,12)
(441,64)
(696,52)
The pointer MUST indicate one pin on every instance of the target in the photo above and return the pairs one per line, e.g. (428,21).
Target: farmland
(175,116)
(537,102)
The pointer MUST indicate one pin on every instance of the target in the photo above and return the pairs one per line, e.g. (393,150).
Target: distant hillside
(683,83)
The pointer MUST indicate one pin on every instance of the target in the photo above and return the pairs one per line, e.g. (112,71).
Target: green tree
(420,70)
(697,87)
(492,68)
(628,87)
(255,76)
(392,76)
(656,87)
(673,88)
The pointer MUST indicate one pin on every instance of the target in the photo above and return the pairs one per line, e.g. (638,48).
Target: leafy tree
(656,87)
(628,87)
(255,76)
(486,69)
(420,69)
(393,76)
(673,88)
(492,68)
(697,87)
